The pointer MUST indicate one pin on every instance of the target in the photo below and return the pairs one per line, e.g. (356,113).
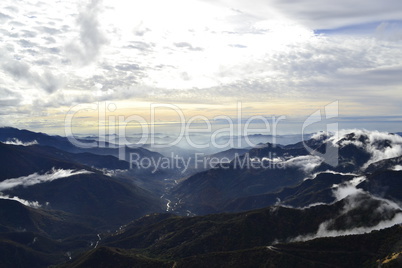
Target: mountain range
(268,206)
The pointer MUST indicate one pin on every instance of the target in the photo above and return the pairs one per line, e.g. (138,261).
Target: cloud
(390,31)
(237,46)
(35,178)
(9,98)
(383,213)
(20,143)
(380,145)
(317,66)
(329,15)
(344,190)
(397,168)
(187,46)
(26,43)
(49,82)
(22,71)
(306,162)
(323,230)
(4,17)
(33,204)
(313,176)
(50,30)
(91,38)
(281,60)
(128,67)
(318,14)
(141,46)
(9,102)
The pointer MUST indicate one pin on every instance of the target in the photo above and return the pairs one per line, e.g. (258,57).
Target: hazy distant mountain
(8,134)
(253,140)
(230,154)
(25,136)
(24,160)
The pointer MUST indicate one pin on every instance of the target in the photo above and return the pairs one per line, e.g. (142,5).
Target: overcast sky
(277,57)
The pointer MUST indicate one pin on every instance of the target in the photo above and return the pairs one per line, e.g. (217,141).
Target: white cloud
(356,199)
(87,47)
(20,143)
(33,204)
(9,98)
(36,178)
(343,191)
(22,71)
(397,168)
(323,14)
(335,172)
(380,145)
(306,162)
(324,232)
(390,31)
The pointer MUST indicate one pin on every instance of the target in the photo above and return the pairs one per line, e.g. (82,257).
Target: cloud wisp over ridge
(33,204)
(36,178)
(20,143)
(33,179)
(388,212)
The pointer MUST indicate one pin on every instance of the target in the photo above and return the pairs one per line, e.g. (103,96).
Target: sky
(201,58)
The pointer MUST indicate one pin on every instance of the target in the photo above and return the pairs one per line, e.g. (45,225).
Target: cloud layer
(33,179)
(20,143)
(358,202)
(380,145)
(36,178)
(33,204)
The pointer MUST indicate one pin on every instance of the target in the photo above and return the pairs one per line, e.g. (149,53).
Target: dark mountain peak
(21,133)
(382,144)
(265,145)
(63,143)
(373,139)
(363,138)
(315,142)
(360,148)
